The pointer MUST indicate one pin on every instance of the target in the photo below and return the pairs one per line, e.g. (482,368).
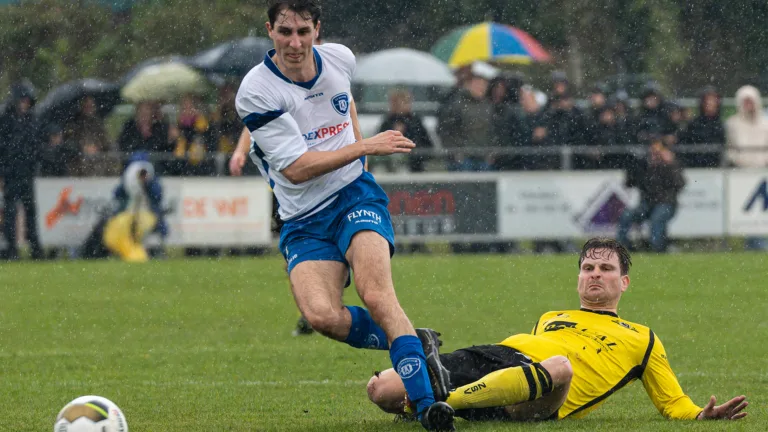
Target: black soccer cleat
(438,417)
(439,377)
(303,327)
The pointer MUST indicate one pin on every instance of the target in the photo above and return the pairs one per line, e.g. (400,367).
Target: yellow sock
(503,387)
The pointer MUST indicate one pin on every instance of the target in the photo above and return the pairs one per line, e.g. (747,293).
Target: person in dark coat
(21,141)
(402,118)
(660,181)
(58,155)
(706,128)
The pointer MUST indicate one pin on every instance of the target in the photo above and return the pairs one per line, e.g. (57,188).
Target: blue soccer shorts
(326,235)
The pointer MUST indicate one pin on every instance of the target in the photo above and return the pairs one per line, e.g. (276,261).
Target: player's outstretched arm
(316,163)
(731,410)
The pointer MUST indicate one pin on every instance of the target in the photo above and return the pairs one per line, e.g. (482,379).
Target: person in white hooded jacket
(747,139)
(747,131)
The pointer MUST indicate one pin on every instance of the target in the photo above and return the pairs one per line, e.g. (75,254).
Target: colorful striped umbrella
(489,42)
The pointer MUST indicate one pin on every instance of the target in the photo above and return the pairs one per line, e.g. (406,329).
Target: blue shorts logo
(408,367)
(340,103)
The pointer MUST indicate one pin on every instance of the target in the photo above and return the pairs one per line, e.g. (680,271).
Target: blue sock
(364,333)
(408,358)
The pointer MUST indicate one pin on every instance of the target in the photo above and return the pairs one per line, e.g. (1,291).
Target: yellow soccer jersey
(606,353)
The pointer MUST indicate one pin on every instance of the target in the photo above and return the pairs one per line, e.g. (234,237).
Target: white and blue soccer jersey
(287,119)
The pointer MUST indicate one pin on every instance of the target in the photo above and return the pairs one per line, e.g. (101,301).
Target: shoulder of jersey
(257,74)
(337,51)
(635,326)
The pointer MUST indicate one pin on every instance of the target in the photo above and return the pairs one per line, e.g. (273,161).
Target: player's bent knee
(559,369)
(327,322)
(373,298)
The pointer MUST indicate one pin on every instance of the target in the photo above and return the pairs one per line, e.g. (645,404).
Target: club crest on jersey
(340,103)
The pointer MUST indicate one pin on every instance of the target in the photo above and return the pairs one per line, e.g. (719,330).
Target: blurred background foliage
(684,45)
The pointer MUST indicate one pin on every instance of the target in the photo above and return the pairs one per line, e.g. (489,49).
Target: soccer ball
(90,414)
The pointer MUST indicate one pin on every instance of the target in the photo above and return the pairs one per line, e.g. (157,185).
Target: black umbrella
(63,102)
(233,58)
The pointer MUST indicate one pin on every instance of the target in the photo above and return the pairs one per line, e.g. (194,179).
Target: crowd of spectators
(500,113)
(488,122)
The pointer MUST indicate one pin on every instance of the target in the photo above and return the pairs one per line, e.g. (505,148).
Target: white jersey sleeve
(275,135)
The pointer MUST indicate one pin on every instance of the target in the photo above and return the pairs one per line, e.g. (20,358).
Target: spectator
(564,122)
(57,156)
(747,141)
(499,93)
(402,119)
(560,85)
(707,128)
(139,198)
(652,120)
(660,180)
(675,125)
(465,121)
(597,102)
(625,121)
(747,131)
(20,146)
(194,142)
(603,134)
(88,135)
(504,94)
(533,132)
(147,131)
(226,126)
(565,126)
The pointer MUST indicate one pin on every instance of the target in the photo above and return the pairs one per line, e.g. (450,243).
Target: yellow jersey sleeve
(663,388)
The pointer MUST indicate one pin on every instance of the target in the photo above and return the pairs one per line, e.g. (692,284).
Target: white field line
(197,383)
(91,352)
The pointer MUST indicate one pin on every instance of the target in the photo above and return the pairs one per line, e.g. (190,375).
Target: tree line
(683,44)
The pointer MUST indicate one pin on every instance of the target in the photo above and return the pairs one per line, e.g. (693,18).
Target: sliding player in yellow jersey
(572,361)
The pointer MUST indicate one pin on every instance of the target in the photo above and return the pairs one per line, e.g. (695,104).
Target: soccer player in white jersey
(301,116)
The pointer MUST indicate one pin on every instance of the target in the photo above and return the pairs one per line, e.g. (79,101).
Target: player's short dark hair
(605,243)
(306,8)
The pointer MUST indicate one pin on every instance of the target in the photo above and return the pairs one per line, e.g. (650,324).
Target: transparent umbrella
(164,81)
(403,66)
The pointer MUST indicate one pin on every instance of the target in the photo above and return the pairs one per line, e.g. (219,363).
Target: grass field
(199,345)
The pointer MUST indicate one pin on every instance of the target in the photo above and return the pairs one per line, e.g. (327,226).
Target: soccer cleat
(438,417)
(303,327)
(439,377)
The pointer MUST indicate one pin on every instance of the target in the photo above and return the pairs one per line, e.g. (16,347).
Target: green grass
(199,345)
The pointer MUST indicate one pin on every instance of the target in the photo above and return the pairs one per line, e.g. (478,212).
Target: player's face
(600,280)
(293,35)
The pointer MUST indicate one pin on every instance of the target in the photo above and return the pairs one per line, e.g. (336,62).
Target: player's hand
(730,410)
(387,143)
(236,163)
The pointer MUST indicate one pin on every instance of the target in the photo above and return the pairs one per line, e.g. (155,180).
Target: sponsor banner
(580,204)
(544,205)
(701,206)
(747,202)
(200,212)
(223,212)
(427,208)
(69,208)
